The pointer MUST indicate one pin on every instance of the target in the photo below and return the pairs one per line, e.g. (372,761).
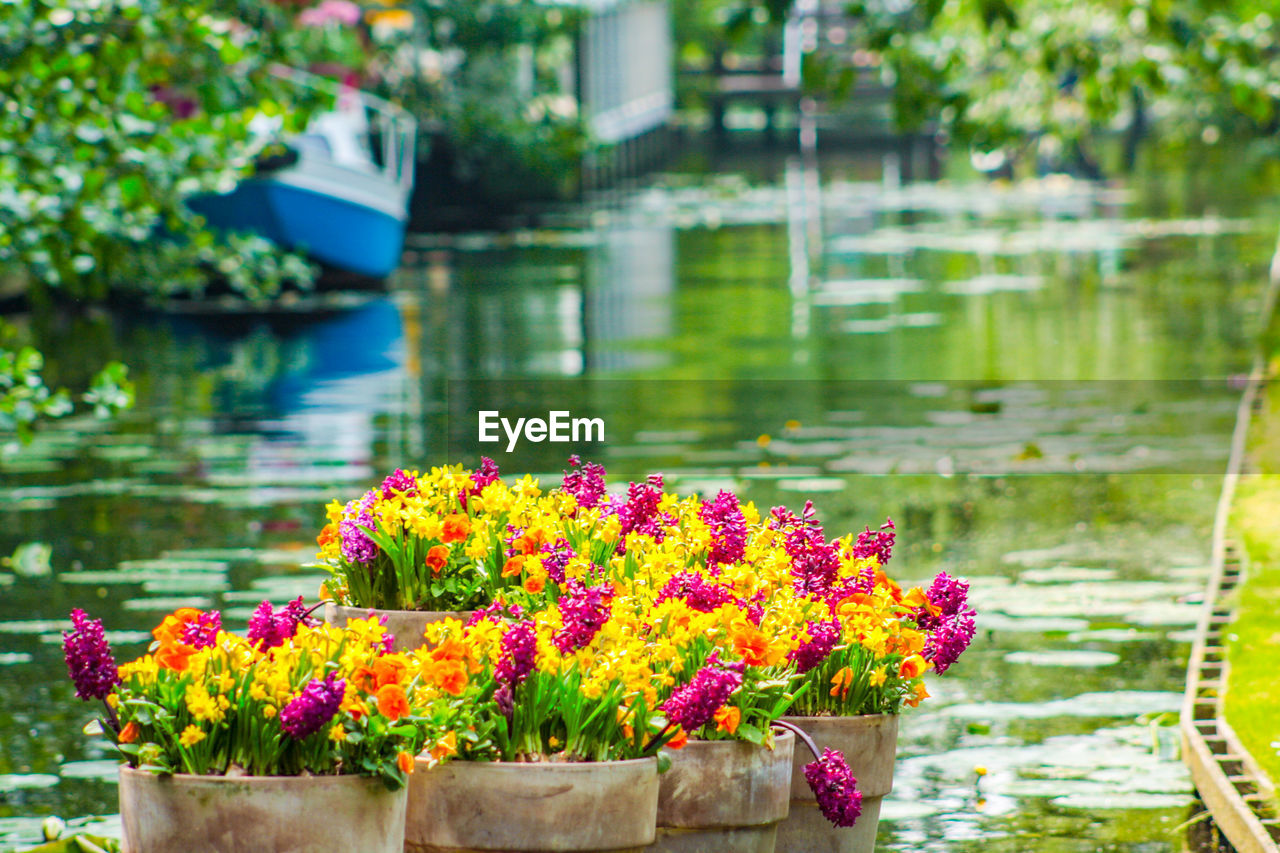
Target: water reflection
(886,350)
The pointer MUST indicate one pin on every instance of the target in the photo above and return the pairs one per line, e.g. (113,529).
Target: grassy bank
(1253,641)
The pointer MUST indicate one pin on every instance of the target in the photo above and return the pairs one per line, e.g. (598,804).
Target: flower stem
(800,733)
(648,746)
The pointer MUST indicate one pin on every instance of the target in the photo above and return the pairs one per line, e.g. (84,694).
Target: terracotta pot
(724,795)
(405,625)
(259,814)
(869,744)
(477,805)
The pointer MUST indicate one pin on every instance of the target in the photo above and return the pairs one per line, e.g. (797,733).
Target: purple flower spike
(696,591)
(315,706)
(949,640)
(89,660)
(399,482)
(357,547)
(728,530)
(555,558)
(833,784)
(486,474)
(270,629)
(823,638)
(519,653)
(584,611)
(586,483)
(878,544)
(203,633)
(693,705)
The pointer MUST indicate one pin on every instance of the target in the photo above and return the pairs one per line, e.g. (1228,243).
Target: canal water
(1035,380)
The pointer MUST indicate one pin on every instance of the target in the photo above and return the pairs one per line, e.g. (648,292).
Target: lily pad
(20,781)
(1064,657)
(106,770)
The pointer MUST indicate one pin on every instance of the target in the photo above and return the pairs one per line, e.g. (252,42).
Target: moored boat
(341,194)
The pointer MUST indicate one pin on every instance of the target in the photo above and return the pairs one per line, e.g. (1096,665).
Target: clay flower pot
(869,744)
(478,805)
(724,795)
(405,625)
(259,814)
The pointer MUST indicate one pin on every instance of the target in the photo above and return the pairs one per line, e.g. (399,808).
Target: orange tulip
(405,762)
(512,566)
(678,740)
(129,733)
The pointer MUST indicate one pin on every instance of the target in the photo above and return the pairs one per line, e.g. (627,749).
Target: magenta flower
(692,706)
(315,706)
(728,530)
(823,638)
(947,642)
(696,591)
(203,632)
(495,612)
(88,656)
(487,473)
(270,629)
(555,558)
(815,562)
(640,512)
(357,547)
(584,611)
(833,784)
(399,482)
(519,653)
(340,11)
(878,544)
(585,483)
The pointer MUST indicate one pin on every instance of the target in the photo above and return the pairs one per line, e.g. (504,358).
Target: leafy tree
(112,112)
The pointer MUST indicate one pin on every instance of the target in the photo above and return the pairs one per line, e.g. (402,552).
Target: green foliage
(491,77)
(112,112)
(1052,74)
(25,399)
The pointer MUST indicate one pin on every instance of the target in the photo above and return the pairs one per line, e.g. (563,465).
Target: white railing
(395,127)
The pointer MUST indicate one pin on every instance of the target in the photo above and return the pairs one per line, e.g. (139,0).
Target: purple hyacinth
(486,474)
(728,530)
(584,611)
(495,612)
(640,512)
(823,638)
(692,706)
(88,655)
(696,591)
(203,632)
(949,595)
(815,562)
(555,558)
(585,483)
(315,706)
(399,482)
(270,629)
(833,784)
(357,547)
(878,544)
(949,640)
(519,653)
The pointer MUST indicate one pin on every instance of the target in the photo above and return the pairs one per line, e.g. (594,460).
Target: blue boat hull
(331,230)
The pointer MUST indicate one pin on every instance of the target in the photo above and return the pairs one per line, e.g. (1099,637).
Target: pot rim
(563,766)
(351,608)
(201,778)
(778,735)
(838,716)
